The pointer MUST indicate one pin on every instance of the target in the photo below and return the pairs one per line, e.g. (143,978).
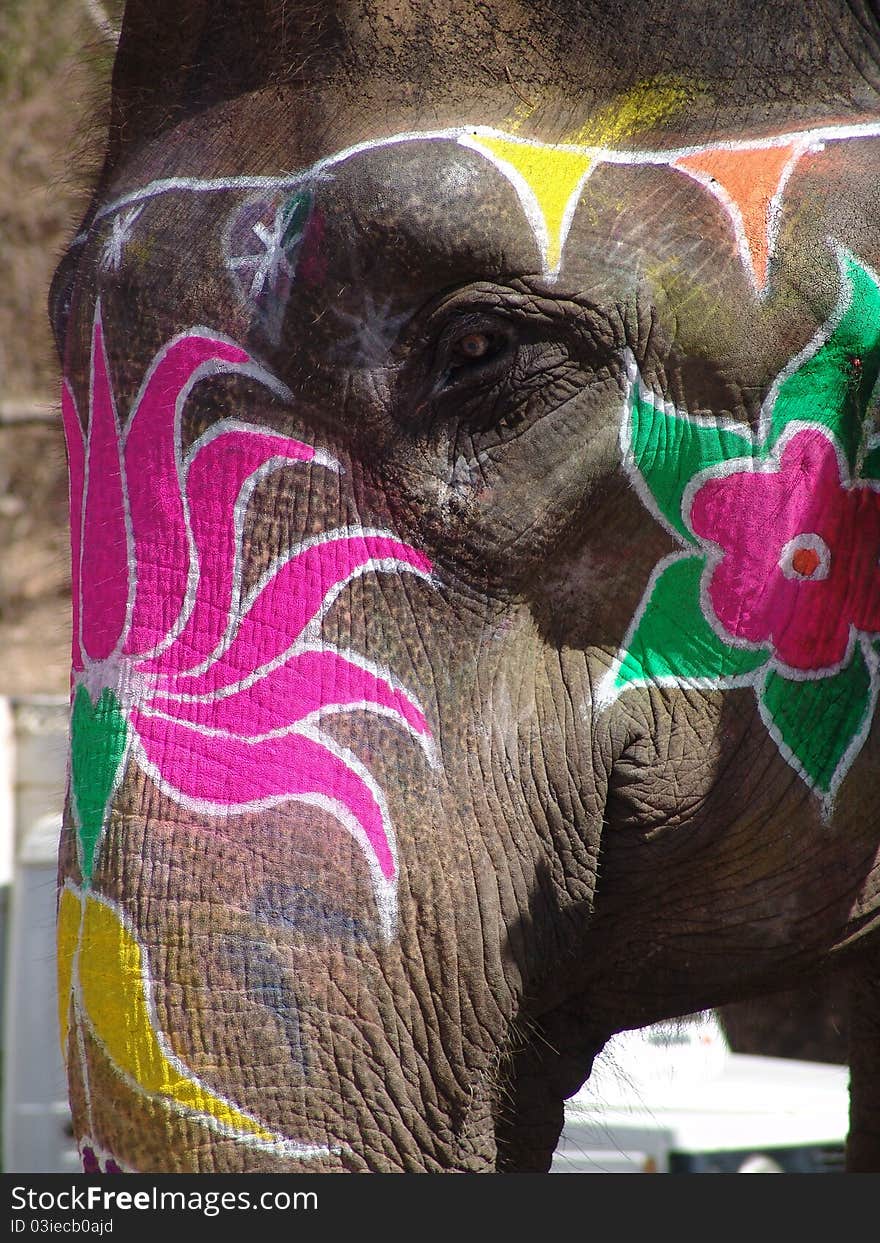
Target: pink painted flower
(797,567)
(219,695)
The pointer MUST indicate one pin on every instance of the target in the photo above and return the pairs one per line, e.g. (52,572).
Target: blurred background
(55,64)
(54,67)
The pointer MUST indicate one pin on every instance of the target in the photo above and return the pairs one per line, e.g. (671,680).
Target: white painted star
(373,332)
(120,232)
(267,267)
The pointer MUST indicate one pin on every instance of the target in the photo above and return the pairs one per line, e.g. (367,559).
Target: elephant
(468,409)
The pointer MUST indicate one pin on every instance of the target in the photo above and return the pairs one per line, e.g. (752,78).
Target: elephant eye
(474,345)
(473,352)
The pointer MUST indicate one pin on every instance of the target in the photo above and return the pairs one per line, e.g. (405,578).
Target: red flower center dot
(805,561)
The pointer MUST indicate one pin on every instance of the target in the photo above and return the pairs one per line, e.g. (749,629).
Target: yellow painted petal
(548,181)
(114,996)
(69,913)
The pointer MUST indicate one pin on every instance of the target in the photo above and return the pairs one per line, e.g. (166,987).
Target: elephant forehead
(412,213)
(434,187)
(468,189)
(402,199)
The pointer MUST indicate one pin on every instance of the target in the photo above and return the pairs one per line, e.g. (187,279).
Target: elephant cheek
(225,943)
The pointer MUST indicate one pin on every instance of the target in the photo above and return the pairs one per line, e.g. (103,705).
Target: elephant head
(475,521)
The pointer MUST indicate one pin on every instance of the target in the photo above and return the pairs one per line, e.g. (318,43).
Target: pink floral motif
(224,693)
(799,545)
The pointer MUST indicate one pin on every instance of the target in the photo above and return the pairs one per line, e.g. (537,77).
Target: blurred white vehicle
(674,1099)
(37,1136)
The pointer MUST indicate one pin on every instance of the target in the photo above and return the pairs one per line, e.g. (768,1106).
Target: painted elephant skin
(475,523)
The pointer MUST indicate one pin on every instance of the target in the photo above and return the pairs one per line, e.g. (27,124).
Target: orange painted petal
(749,184)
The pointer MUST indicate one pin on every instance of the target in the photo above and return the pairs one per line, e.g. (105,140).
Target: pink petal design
(290,692)
(219,467)
(158,519)
(810,638)
(225,774)
(864,606)
(292,597)
(76,469)
(755,533)
(104,573)
(740,601)
(754,514)
(157,550)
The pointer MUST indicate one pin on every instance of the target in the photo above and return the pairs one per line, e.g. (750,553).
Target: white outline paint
(98,326)
(808,541)
(529,201)
(820,337)
(271,268)
(239,513)
(826,801)
(207,370)
(114,785)
(138,689)
(647,397)
(607,693)
(762,458)
(384,888)
(468,136)
(300,648)
(714,553)
(311,631)
(120,235)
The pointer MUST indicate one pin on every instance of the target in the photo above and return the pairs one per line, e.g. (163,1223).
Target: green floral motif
(294,217)
(98,742)
(777,586)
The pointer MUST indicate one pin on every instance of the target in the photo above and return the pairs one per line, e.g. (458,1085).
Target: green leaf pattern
(819,723)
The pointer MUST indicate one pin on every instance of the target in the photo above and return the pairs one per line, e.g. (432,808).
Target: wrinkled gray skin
(563,873)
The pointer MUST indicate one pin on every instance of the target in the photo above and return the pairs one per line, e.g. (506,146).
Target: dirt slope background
(55,62)
(55,59)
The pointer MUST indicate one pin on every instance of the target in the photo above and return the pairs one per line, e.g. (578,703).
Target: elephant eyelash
(470,371)
(455,368)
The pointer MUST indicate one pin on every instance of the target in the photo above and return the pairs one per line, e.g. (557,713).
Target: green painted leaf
(294,216)
(834,384)
(669,448)
(819,720)
(98,739)
(671,639)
